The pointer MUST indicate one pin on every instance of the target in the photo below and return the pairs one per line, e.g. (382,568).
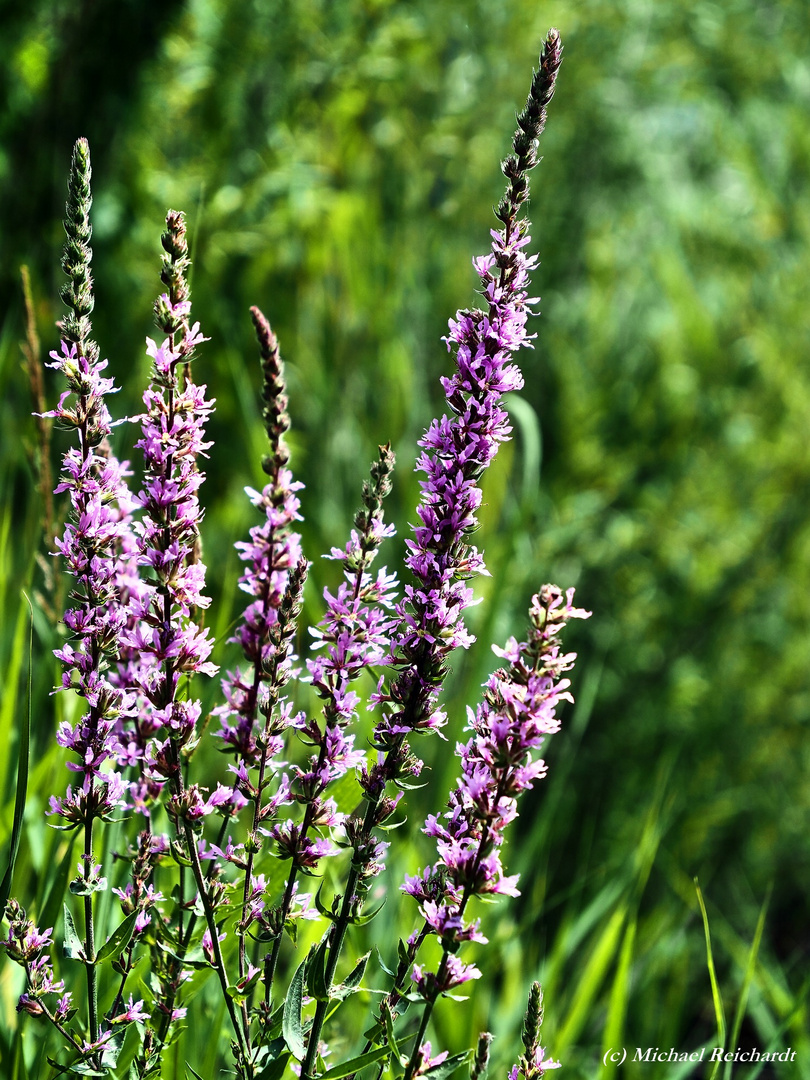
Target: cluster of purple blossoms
(26,946)
(540,1065)
(456,451)
(498,764)
(271,554)
(95,482)
(457,448)
(353,636)
(163,631)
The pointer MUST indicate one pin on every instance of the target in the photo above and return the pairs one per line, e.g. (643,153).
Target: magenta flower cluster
(456,451)
(498,764)
(164,635)
(95,482)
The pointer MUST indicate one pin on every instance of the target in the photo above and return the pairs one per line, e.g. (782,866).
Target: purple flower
(25,944)
(426,1062)
(162,630)
(540,1065)
(497,765)
(452,973)
(100,1043)
(271,554)
(133,1013)
(208,946)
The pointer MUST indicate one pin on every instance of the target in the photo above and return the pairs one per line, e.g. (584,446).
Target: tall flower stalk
(498,764)
(94,481)
(253,724)
(352,637)
(457,449)
(165,630)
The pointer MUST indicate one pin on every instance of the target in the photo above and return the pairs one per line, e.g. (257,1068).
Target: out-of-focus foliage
(338,163)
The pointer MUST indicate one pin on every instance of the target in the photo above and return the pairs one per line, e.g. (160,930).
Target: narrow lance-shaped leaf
(291,1026)
(118,940)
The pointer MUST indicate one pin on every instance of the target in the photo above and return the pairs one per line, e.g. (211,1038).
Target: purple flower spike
(162,630)
(96,485)
(498,764)
(273,551)
(457,448)
(533,1063)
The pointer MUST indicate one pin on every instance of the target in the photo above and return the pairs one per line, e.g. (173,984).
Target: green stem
(90,946)
(338,937)
(182,949)
(286,902)
(395,994)
(242,1037)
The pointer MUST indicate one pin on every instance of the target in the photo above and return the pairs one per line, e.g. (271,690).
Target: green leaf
(118,939)
(61,1069)
(276,1068)
(194,958)
(403,786)
(83,1069)
(402,953)
(240,993)
(449,1065)
(291,926)
(388,971)
(351,984)
(79,887)
(73,949)
(361,920)
(328,913)
(390,1033)
(316,970)
(750,969)
(22,777)
(291,1026)
(393,825)
(356,1064)
(194,1072)
(112,1050)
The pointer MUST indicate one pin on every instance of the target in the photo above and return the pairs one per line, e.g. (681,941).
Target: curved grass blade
(748,978)
(22,775)
(719,1012)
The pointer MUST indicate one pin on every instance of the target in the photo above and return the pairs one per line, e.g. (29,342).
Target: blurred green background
(338,163)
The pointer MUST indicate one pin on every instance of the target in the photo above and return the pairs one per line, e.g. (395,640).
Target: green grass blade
(10,701)
(748,978)
(719,1012)
(601,954)
(22,775)
(619,994)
